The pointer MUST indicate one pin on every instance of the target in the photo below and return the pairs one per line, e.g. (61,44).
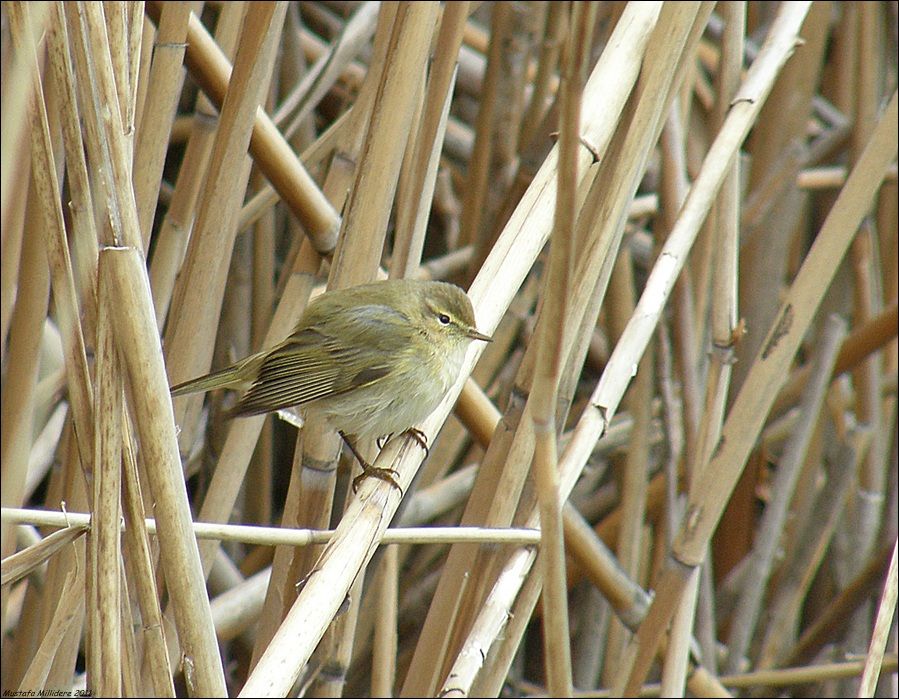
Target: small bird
(373,360)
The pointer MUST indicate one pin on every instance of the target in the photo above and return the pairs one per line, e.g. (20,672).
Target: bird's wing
(310,364)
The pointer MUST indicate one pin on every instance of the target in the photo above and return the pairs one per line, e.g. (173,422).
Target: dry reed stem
(211,70)
(139,565)
(384,644)
(621,300)
(329,66)
(864,339)
(262,300)
(724,302)
(84,232)
(832,618)
(24,562)
(881,631)
(164,88)
(491,680)
(780,153)
(389,129)
(26,326)
(797,309)
(17,91)
(309,504)
(544,83)
(634,150)
(268,536)
(62,281)
(105,604)
(311,489)
(786,605)
(627,598)
(107,146)
(677,652)
(173,235)
(60,570)
(473,206)
(234,611)
(632,34)
(68,607)
(199,290)
(865,510)
(764,379)
(242,435)
(414,200)
(544,390)
(771,527)
(139,348)
(335,648)
(783,677)
(736,126)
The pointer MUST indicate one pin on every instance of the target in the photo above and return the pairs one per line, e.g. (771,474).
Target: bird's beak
(475,334)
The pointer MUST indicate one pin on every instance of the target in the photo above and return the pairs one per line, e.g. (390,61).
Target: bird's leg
(420,437)
(384,474)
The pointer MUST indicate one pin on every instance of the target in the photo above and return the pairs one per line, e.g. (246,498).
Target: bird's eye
(443,318)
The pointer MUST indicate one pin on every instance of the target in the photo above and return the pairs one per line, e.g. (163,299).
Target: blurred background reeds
(673,471)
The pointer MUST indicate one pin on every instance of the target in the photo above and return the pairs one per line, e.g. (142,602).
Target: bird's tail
(224,378)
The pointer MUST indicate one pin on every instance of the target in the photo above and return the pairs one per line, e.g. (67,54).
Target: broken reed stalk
(480,90)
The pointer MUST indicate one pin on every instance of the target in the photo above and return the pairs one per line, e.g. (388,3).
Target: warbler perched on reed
(373,360)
